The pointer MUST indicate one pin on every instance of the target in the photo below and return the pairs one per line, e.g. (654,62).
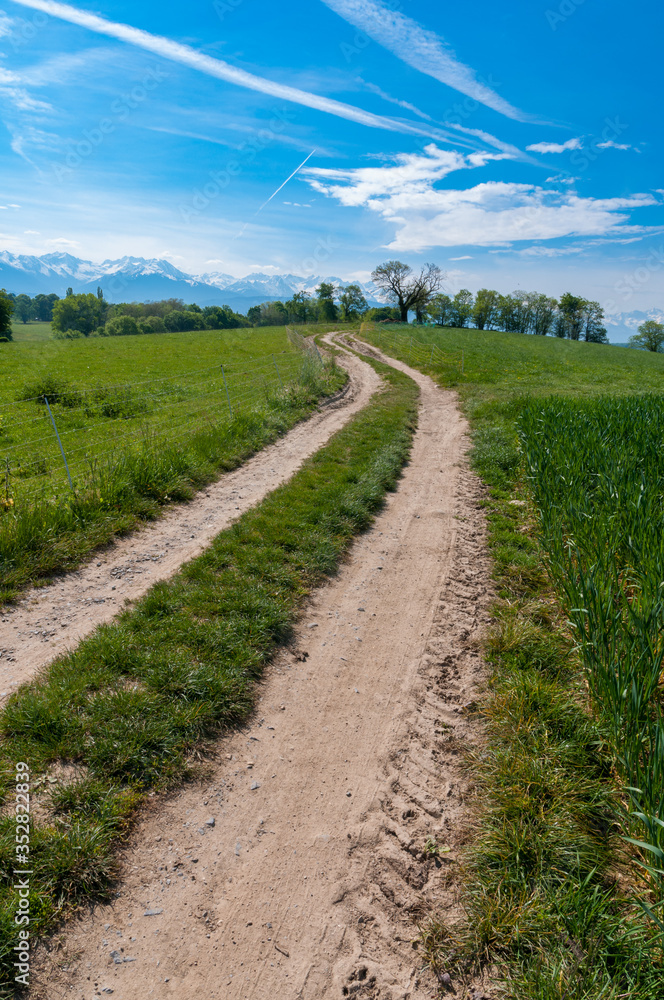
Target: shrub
(56,389)
(122,326)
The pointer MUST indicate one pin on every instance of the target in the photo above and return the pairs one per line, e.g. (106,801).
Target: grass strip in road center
(127,710)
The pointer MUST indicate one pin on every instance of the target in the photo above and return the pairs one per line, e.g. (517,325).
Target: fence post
(7,475)
(410,352)
(62,450)
(462,362)
(278,374)
(228,395)
(431,362)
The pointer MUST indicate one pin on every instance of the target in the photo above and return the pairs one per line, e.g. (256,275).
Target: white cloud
(489,214)
(561,179)
(413,175)
(187,56)
(420,48)
(465,257)
(555,147)
(61,241)
(379,92)
(610,144)
(17,95)
(6,25)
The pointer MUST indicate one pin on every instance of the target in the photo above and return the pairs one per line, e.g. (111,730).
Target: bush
(152,324)
(122,326)
(67,334)
(56,389)
(181,321)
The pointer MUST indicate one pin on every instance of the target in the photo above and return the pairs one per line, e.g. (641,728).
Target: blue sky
(517,146)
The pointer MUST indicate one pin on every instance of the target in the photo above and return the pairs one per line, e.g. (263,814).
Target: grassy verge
(548,883)
(134,702)
(55,535)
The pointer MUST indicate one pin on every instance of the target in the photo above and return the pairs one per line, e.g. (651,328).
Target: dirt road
(297,868)
(48,621)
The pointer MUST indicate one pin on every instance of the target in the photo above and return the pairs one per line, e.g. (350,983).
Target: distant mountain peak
(140,279)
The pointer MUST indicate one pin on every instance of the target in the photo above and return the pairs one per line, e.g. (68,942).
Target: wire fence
(52,443)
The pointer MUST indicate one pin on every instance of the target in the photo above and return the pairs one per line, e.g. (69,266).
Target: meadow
(31,332)
(162,680)
(142,421)
(567,439)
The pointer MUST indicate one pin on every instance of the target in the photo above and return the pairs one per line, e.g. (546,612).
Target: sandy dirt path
(296,869)
(50,620)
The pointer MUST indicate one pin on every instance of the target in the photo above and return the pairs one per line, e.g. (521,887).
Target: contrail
(281,186)
(187,56)
(422,49)
(274,194)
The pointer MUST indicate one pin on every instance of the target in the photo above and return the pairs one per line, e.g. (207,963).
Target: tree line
(407,292)
(87,314)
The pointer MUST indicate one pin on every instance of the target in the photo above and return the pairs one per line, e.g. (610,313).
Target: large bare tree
(405,288)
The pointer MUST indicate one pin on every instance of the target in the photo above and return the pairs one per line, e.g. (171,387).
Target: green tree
(353,303)
(441,310)
(23,307)
(298,308)
(268,314)
(84,313)
(183,321)
(327,310)
(485,310)
(382,314)
(571,309)
(462,304)
(593,327)
(543,313)
(407,290)
(650,337)
(43,307)
(6,310)
(122,326)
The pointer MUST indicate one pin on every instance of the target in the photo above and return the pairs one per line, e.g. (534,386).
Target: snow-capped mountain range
(134,279)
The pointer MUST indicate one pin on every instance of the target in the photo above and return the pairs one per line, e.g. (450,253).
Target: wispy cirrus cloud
(489,214)
(221,70)
(14,93)
(422,49)
(6,25)
(379,92)
(555,147)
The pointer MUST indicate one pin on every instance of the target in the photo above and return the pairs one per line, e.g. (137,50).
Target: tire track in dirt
(48,621)
(296,868)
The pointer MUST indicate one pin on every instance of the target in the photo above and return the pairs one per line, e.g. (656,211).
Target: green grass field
(552,893)
(142,421)
(95,361)
(25,333)
(179,668)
